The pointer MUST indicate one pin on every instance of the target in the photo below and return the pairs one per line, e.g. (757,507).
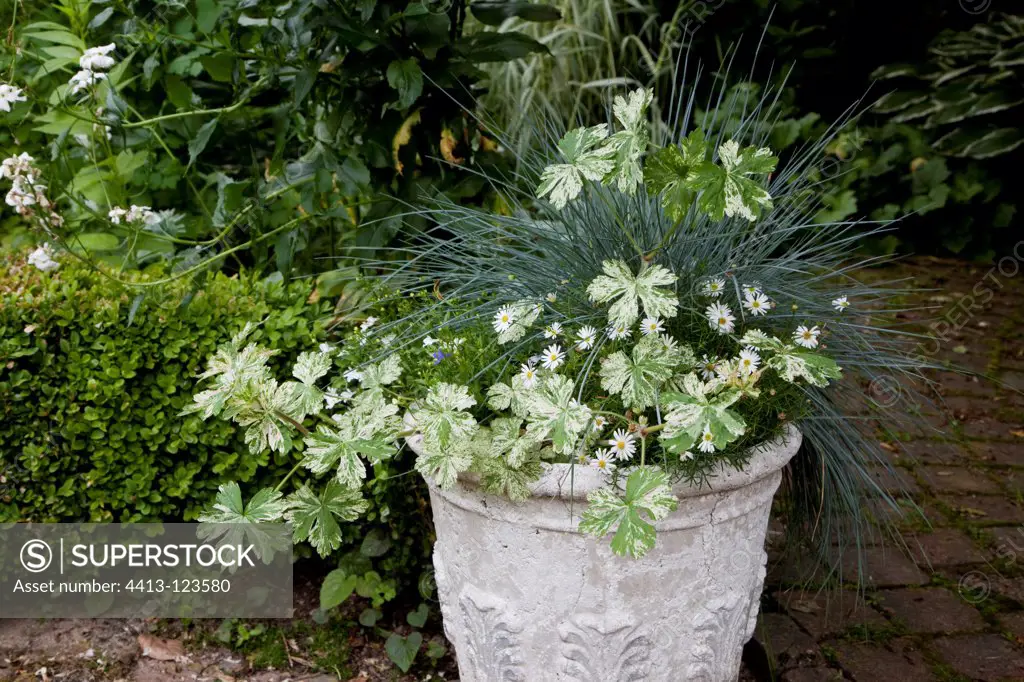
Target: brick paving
(949,605)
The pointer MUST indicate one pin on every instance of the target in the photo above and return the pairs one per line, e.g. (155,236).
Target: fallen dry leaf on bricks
(161,649)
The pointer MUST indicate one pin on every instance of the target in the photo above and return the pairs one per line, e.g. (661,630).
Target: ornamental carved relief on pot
(595,647)
(490,637)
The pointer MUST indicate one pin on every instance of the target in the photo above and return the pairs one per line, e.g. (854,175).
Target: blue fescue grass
(478,255)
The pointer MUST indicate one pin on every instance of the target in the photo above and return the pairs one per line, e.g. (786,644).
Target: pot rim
(569,481)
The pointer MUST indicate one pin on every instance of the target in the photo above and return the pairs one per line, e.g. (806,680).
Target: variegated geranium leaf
(728,189)
(647,498)
(315,517)
(259,409)
(639,378)
(310,367)
(793,363)
(498,476)
(382,373)
(328,449)
(233,369)
(443,464)
(266,506)
(512,396)
(556,415)
(619,282)
(584,159)
(631,142)
(700,406)
(442,418)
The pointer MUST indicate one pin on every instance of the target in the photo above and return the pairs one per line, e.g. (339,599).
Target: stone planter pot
(526,598)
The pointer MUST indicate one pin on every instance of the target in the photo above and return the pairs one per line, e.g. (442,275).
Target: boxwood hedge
(93,375)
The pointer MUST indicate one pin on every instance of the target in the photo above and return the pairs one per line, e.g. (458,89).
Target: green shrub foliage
(93,376)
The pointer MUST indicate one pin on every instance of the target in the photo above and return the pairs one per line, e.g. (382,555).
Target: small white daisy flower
(757,304)
(651,325)
(669,343)
(352,375)
(599,423)
(686,456)
(586,338)
(602,461)
(622,445)
(504,318)
(367,323)
(552,297)
(749,361)
(808,338)
(553,357)
(621,331)
(707,440)
(714,287)
(841,303)
(751,289)
(707,369)
(553,331)
(529,375)
(720,317)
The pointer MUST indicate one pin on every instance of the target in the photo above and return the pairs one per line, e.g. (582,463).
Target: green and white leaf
(647,498)
(794,363)
(444,464)
(556,415)
(618,282)
(638,379)
(266,506)
(700,405)
(315,518)
(513,395)
(258,410)
(498,476)
(328,449)
(631,142)
(584,159)
(310,367)
(441,416)
(385,372)
(728,190)
(234,369)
